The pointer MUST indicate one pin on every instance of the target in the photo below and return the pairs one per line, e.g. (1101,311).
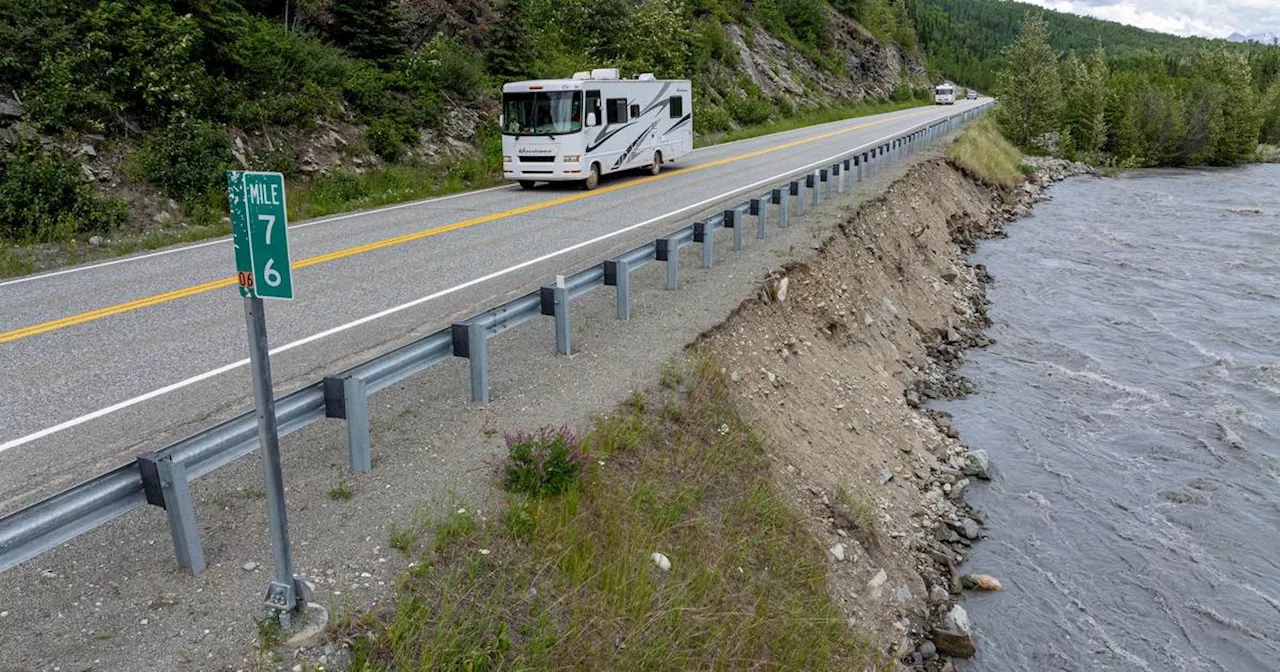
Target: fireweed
(543,463)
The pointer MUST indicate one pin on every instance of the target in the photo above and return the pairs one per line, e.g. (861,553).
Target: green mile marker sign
(260,234)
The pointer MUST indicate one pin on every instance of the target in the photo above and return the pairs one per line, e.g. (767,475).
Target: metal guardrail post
(470,341)
(704,232)
(560,301)
(165,484)
(838,174)
(732,220)
(846,172)
(780,197)
(797,190)
(617,273)
(347,398)
(811,181)
(668,250)
(760,208)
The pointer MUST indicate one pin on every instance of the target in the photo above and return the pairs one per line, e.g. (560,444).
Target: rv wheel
(593,178)
(527,184)
(657,164)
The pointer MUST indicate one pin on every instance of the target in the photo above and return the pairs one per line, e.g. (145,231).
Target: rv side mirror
(591,119)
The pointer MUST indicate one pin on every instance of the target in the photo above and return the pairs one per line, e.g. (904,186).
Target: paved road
(103,361)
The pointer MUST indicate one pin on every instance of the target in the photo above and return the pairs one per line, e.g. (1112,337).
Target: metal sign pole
(286,593)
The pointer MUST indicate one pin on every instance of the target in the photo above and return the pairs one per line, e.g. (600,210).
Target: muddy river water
(1131,407)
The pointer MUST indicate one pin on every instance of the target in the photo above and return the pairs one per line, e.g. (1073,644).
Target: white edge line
(405,306)
(398,206)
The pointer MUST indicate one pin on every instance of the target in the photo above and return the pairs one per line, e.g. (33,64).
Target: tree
(1029,86)
(372,29)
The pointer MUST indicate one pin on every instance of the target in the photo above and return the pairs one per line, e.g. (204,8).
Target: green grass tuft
(984,153)
(341,492)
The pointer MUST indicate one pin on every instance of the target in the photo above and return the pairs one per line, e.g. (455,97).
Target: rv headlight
(506,159)
(573,158)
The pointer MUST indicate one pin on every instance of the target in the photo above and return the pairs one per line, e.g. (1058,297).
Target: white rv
(944,94)
(560,130)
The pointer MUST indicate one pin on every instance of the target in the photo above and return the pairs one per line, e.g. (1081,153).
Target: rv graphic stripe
(684,120)
(604,136)
(630,151)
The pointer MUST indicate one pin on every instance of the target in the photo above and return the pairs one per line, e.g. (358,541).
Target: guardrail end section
(165,484)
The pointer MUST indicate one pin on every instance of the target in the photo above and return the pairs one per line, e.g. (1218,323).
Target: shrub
(545,463)
(43,197)
(712,119)
(187,158)
(386,138)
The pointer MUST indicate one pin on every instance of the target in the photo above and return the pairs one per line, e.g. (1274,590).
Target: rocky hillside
(118,118)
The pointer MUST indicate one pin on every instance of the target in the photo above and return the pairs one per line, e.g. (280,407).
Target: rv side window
(677,107)
(635,111)
(593,106)
(617,108)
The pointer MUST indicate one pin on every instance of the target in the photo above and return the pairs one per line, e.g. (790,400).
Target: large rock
(977,464)
(954,635)
(10,107)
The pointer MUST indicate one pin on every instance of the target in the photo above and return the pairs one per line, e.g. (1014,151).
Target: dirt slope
(830,360)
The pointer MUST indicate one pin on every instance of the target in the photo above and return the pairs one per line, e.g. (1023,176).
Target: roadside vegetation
(817,116)
(983,152)
(1212,105)
(656,541)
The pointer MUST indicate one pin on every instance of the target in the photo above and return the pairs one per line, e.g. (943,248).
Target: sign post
(261,237)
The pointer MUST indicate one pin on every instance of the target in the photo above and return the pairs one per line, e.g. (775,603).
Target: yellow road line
(80,318)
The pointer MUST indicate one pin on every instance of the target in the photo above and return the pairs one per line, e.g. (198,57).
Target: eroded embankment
(831,362)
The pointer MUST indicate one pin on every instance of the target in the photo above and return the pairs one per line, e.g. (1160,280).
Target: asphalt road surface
(106,360)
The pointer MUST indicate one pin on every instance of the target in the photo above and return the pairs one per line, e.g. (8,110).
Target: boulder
(954,635)
(980,582)
(977,464)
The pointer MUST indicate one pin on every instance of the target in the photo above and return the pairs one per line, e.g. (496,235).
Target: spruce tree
(1029,86)
(372,29)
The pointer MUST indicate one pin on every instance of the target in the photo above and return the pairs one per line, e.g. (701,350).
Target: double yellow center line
(137,304)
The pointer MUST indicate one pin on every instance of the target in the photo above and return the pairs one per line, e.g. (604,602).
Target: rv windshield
(539,113)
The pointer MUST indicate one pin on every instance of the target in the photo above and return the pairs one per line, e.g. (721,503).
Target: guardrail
(162,478)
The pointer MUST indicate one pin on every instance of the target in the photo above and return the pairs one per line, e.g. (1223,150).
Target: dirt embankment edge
(832,362)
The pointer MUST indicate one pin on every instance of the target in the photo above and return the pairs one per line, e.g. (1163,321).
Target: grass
(344,191)
(567,581)
(861,516)
(812,117)
(984,153)
(341,492)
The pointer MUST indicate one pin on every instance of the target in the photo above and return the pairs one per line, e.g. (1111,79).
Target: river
(1131,408)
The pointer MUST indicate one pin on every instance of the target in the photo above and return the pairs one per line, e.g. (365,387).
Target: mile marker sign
(260,234)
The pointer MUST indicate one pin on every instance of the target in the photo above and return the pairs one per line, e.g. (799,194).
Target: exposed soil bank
(831,362)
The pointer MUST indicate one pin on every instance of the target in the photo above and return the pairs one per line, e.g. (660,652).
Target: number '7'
(271,221)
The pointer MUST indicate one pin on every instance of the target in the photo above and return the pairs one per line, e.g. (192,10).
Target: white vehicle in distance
(973,95)
(566,130)
(944,94)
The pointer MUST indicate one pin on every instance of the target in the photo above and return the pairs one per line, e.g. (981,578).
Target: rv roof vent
(646,77)
(604,73)
(585,74)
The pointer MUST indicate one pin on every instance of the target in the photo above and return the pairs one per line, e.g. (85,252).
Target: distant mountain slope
(964,38)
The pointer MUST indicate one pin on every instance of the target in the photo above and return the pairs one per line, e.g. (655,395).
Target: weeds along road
(104,361)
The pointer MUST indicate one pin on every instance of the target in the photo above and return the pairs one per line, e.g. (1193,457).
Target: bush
(43,197)
(712,119)
(386,137)
(187,158)
(545,463)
